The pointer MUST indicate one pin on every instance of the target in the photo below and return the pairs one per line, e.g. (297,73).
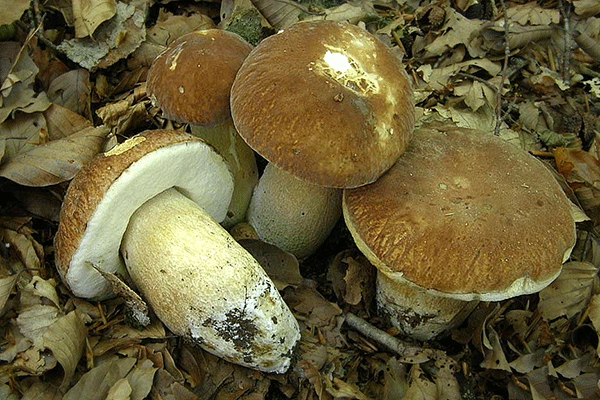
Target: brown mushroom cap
(465,214)
(325,101)
(190,81)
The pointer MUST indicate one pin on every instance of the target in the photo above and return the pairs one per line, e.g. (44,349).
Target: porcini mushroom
(462,216)
(190,82)
(157,198)
(326,102)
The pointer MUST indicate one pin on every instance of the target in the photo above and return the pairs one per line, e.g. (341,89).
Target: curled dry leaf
(6,286)
(95,384)
(18,73)
(570,292)
(168,27)
(56,161)
(89,14)
(352,277)
(24,248)
(494,354)
(281,266)
(594,315)
(65,338)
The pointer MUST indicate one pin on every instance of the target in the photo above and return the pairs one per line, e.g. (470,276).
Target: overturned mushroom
(157,198)
(462,216)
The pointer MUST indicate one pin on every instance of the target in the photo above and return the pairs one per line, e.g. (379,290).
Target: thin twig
(566,59)
(409,353)
(504,68)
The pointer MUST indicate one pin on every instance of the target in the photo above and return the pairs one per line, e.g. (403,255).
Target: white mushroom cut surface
(108,190)
(208,288)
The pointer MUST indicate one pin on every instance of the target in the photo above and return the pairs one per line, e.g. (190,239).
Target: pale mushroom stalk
(242,163)
(173,248)
(294,215)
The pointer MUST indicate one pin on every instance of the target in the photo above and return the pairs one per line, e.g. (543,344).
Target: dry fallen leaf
(11,10)
(95,384)
(89,14)
(72,90)
(570,292)
(65,338)
(56,161)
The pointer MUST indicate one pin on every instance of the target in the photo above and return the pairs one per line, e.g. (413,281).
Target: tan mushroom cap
(105,193)
(190,81)
(325,101)
(465,214)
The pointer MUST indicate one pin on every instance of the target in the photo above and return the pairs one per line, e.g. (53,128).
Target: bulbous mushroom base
(204,286)
(416,312)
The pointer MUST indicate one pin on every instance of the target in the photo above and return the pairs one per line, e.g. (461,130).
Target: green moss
(248,24)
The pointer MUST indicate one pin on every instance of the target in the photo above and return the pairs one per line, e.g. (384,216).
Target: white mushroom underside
(210,187)
(203,285)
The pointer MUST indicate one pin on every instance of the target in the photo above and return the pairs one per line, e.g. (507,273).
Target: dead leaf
(65,338)
(89,14)
(57,161)
(113,41)
(62,122)
(34,320)
(16,92)
(95,384)
(457,31)
(140,379)
(281,266)
(42,391)
(494,354)
(532,14)
(72,90)
(6,286)
(29,252)
(8,15)
(420,387)
(581,170)
(168,27)
(570,292)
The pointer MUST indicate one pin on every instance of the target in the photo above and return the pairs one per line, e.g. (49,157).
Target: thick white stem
(416,312)
(203,285)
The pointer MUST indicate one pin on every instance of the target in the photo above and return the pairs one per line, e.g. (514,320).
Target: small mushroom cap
(325,101)
(190,81)
(105,193)
(465,214)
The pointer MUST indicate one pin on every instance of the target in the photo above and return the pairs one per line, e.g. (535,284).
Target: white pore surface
(194,168)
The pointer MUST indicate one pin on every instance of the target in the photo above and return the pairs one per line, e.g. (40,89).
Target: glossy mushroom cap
(191,80)
(325,101)
(466,215)
(106,192)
